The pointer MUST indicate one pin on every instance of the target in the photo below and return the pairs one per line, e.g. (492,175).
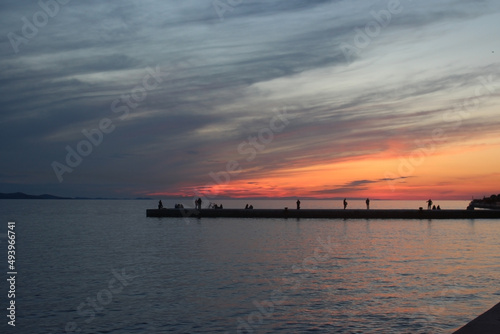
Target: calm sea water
(103,267)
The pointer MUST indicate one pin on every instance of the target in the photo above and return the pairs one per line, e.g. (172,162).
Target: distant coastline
(20,195)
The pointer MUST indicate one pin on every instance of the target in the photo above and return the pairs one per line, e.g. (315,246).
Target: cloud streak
(223,79)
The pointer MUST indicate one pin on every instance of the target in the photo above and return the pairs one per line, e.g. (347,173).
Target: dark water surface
(103,267)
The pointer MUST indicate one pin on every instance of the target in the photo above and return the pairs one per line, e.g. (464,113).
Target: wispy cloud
(223,79)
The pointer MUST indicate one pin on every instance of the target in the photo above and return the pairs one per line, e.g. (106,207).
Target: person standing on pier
(160,205)
(298,204)
(367,204)
(429,204)
(345,203)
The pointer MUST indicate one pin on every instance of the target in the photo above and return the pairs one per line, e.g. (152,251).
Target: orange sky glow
(457,173)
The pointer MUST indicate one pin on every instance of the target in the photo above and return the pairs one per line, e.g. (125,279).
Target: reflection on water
(249,275)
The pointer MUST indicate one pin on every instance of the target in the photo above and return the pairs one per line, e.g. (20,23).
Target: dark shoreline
(326,213)
(486,323)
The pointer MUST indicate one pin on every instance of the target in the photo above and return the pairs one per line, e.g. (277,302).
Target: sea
(102,266)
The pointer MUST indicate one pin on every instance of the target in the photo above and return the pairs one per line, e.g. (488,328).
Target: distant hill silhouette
(20,195)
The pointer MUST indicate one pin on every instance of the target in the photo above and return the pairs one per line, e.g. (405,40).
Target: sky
(250,98)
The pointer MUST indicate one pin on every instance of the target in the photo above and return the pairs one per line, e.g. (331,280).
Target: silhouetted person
(250,207)
(298,204)
(160,205)
(198,203)
(345,203)
(246,206)
(429,204)
(438,208)
(367,203)
(433,207)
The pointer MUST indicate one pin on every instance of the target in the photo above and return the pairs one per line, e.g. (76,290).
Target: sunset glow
(310,99)
(458,174)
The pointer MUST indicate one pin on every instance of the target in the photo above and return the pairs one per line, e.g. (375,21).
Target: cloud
(223,79)
(355,186)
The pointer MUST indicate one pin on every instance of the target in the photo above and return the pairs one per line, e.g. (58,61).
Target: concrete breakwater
(327,213)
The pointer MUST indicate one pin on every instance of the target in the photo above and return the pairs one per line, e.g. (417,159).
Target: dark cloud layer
(221,79)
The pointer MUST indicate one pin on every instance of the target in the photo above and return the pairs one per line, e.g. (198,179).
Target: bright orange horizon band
(459,173)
